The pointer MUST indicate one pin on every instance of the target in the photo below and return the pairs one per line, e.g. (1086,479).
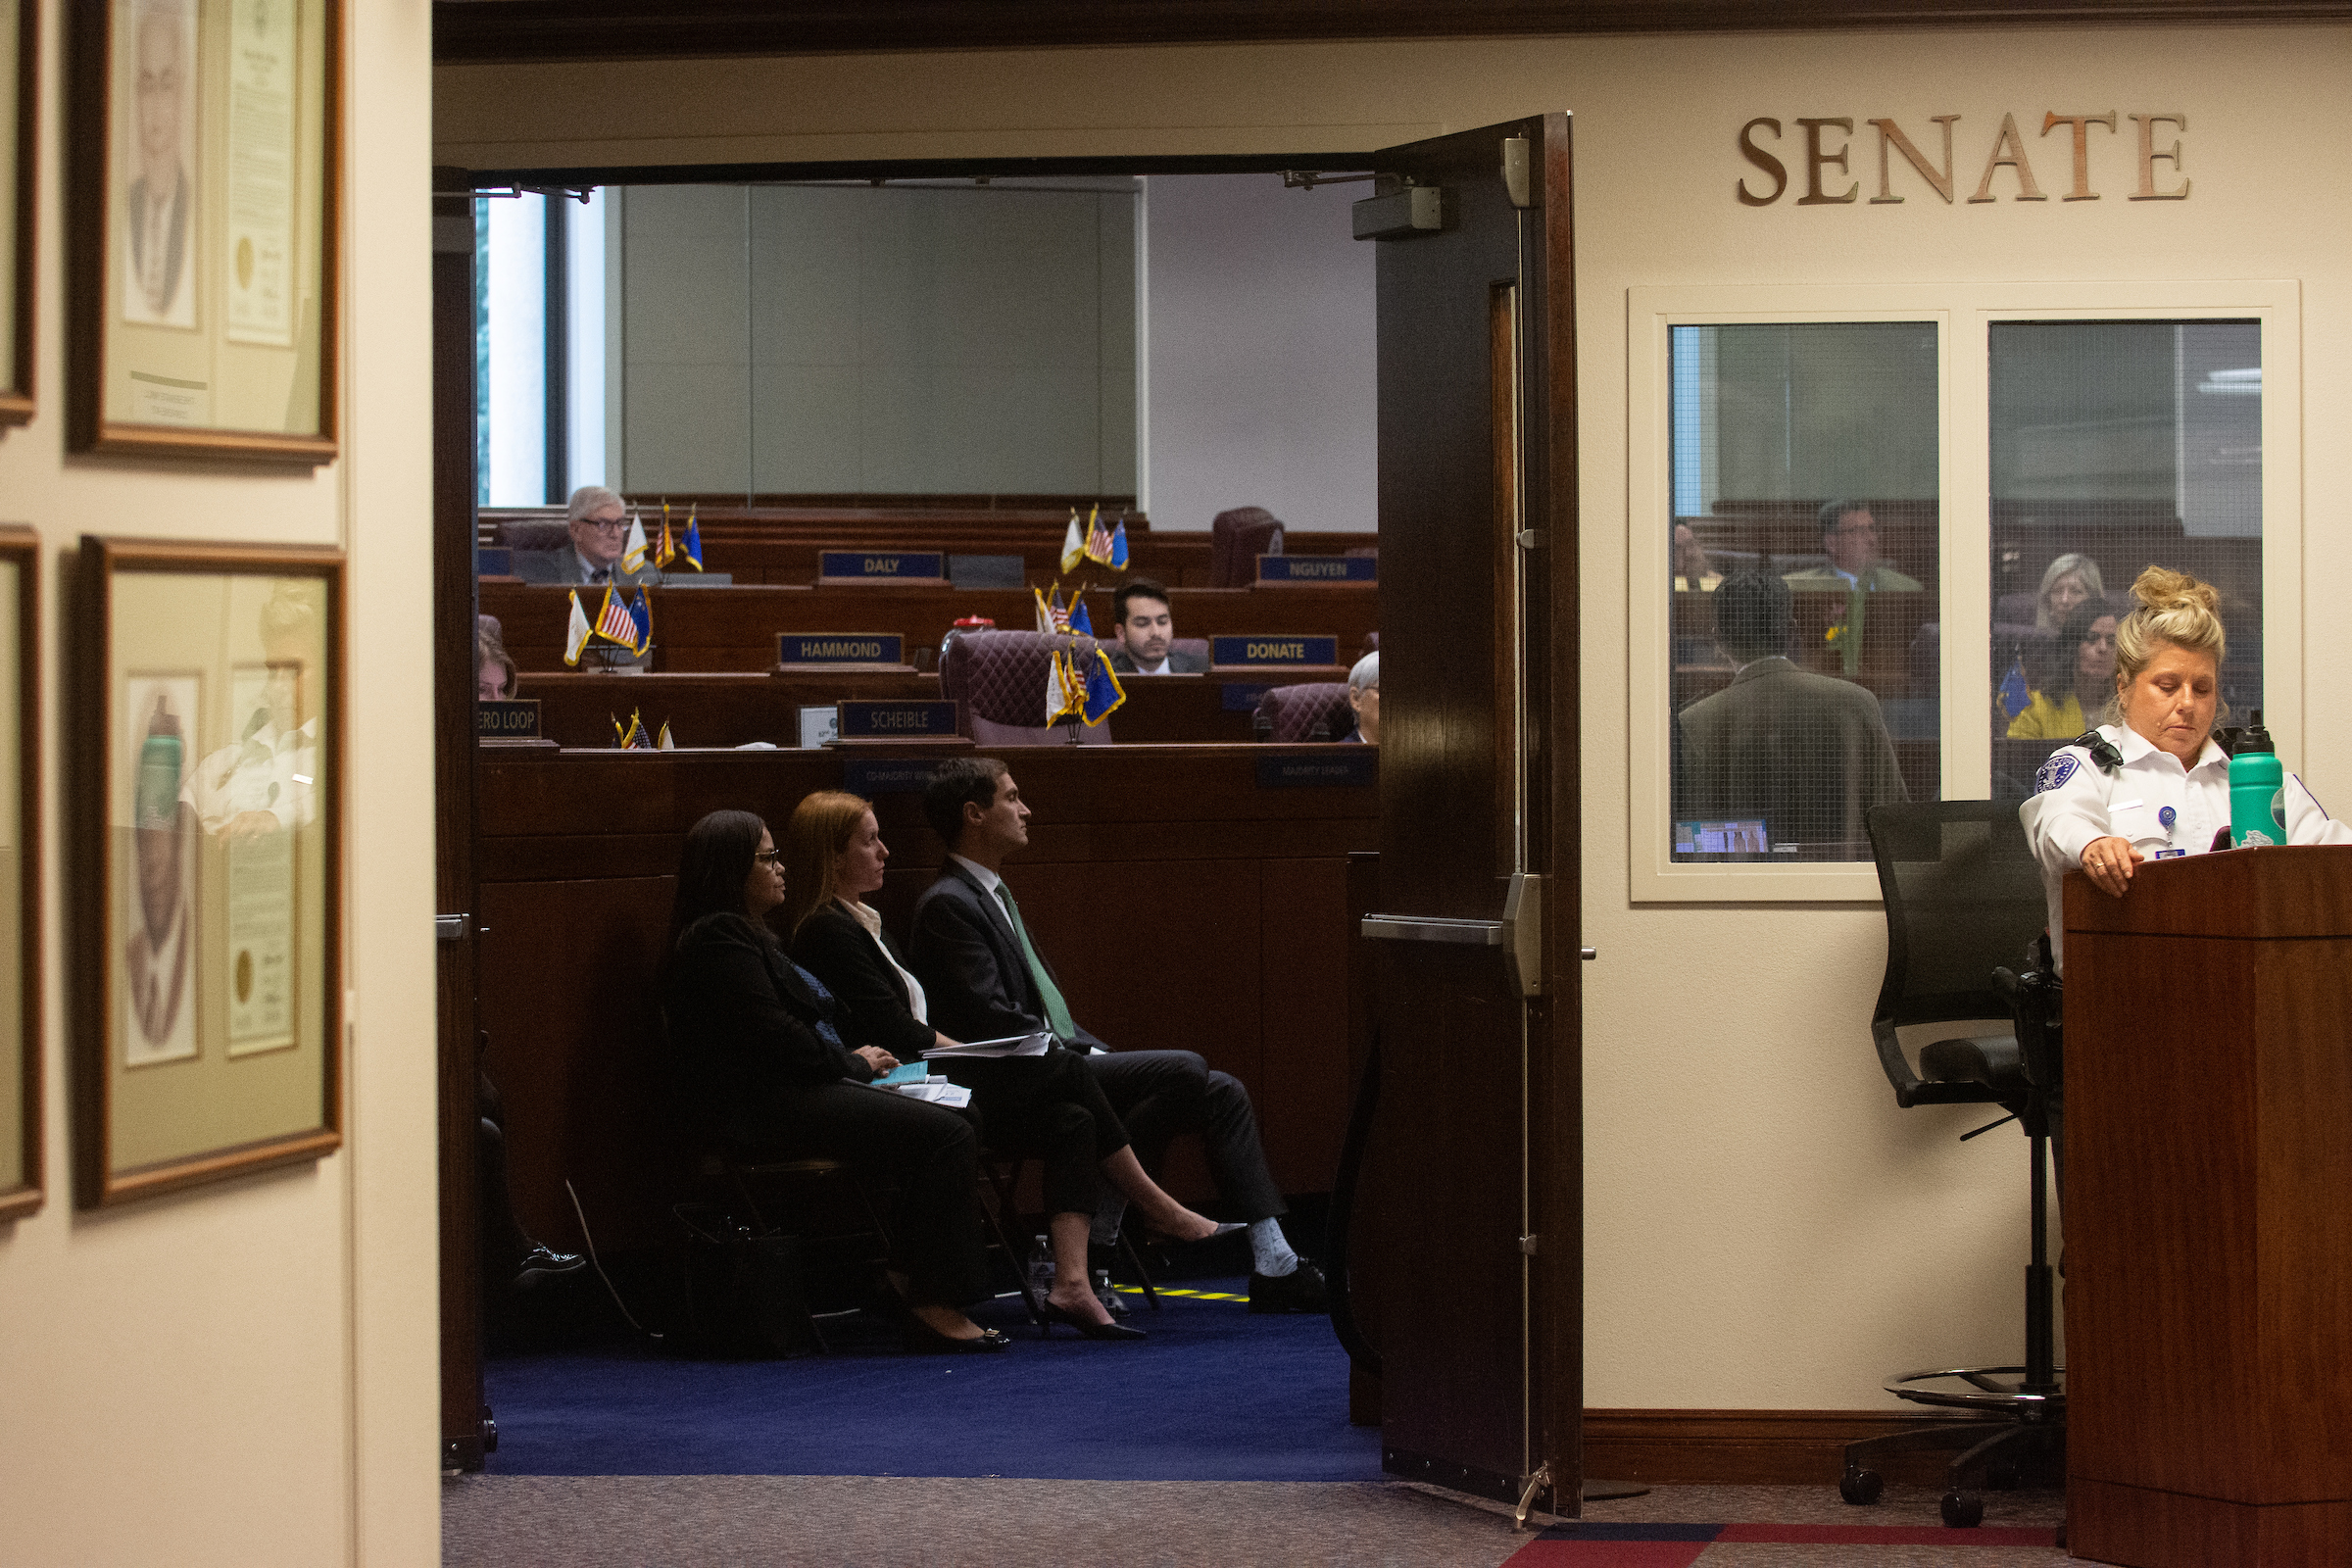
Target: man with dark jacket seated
(986,980)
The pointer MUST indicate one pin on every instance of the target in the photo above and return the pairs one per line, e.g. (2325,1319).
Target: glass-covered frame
(207,954)
(21,1101)
(1966,314)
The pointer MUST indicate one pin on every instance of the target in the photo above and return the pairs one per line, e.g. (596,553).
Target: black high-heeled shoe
(1153,1238)
(921,1338)
(1054,1314)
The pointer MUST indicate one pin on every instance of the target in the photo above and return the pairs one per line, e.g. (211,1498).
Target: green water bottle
(2257,805)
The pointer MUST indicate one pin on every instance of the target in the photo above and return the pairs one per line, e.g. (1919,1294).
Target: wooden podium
(2209,1211)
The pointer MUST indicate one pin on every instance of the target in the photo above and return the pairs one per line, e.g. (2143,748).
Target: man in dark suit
(156,205)
(1147,634)
(598,524)
(985,979)
(1807,754)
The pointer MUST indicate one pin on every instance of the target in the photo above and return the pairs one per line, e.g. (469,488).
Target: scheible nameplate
(898,720)
(1318,568)
(880,565)
(1273,651)
(840,647)
(506,718)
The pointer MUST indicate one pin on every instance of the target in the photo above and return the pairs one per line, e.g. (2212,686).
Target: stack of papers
(1035,1045)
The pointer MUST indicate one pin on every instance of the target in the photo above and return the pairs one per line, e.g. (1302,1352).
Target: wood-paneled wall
(1182,906)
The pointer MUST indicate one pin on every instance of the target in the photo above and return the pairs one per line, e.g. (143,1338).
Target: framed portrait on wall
(20,1183)
(208,716)
(20,120)
(202,174)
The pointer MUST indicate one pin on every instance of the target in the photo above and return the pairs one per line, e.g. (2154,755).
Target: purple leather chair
(1312,710)
(1000,677)
(1236,539)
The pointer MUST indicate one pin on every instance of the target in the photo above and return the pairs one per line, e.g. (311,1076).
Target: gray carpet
(858,1521)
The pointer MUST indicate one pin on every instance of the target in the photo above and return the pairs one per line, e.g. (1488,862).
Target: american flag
(614,622)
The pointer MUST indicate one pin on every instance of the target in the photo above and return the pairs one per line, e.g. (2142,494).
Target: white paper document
(1035,1045)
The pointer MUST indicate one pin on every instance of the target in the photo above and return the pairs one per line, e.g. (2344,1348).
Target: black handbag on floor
(743,1289)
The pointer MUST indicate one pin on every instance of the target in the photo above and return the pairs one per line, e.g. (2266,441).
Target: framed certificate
(19,118)
(208,726)
(202,172)
(20,1183)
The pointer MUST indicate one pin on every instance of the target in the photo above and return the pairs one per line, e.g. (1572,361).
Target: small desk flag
(668,549)
(692,549)
(1118,547)
(632,555)
(642,615)
(1098,538)
(1103,691)
(2015,697)
(1073,545)
(614,622)
(575,636)
(1079,620)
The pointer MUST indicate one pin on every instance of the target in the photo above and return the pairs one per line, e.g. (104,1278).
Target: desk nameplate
(1316,570)
(900,568)
(1342,768)
(909,719)
(840,650)
(506,718)
(1273,651)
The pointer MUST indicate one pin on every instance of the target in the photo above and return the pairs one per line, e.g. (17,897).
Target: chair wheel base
(1860,1486)
(1962,1510)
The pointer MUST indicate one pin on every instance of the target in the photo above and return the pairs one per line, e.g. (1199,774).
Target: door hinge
(1531,538)
(1527,1245)
(1515,173)
(1523,932)
(451,927)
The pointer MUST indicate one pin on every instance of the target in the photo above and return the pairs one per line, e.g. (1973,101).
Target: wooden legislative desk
(1183,905)
(2208,1185)
(580,709)
(781,544)
(734,629)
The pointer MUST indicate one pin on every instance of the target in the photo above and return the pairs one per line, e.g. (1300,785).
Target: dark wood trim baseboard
(535,30)
(1747,1448)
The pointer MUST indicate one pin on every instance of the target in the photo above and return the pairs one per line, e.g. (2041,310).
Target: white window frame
(1963,314)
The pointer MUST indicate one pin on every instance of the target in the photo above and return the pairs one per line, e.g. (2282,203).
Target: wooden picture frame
(204,323)
(22,1150)
(19,135)
(206,946)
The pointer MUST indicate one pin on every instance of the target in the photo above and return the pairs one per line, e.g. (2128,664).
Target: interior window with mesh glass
(1804,544)
(2115,446)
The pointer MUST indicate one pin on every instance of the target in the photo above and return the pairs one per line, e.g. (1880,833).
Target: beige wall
(1765,1229)
(245,1374)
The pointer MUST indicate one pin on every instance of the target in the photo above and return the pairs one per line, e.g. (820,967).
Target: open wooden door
(1480,1285)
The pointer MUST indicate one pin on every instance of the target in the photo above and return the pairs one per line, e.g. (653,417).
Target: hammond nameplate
(821,647)
(881,566)
(910,720)
(1318,568)
(1273,651)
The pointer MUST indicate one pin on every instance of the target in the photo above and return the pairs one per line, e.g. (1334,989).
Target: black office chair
(1964,903)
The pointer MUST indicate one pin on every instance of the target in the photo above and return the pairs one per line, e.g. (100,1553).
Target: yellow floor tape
(1198,1296)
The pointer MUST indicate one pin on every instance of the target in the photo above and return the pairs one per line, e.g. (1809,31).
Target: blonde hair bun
(2162,590)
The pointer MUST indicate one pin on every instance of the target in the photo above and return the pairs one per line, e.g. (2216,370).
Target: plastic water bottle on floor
(1041,1268)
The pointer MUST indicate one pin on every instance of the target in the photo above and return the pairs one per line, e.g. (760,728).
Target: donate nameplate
(1273,653)
(840,647)
(508,719)
(1318,568)
(880,565)
(1342,767)
(897,720)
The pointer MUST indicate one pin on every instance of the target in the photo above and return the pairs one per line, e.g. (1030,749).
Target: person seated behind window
(1363,695)
(2081,678)
(985,978)
(760,1045)
(1808,754)
(1147,633)
(2067,581)
(1693,571)
(1048,1107)
(493,666)
(1850,537)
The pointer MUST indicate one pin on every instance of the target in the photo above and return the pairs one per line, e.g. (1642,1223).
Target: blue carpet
(1215,1394)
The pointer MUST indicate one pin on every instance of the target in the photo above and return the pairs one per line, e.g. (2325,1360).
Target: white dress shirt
(2161,807)
(871,919)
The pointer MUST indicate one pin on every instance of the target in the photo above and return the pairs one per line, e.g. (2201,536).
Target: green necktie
(1057,1011)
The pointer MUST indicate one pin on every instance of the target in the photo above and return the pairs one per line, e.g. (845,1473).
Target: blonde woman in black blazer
(1050,1106)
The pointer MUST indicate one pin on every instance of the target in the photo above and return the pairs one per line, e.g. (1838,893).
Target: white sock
(1270,1250)
(1110,1210)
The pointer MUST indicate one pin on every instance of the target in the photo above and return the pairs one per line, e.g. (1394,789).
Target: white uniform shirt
(2163,808)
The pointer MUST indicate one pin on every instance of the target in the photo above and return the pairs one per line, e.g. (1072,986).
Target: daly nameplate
(840,647)
(508,719)
(1318,568)
(880,565)
(897,720)
(1273,653)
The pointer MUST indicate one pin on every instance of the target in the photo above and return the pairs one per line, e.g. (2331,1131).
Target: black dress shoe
(1094,1331)
(921,1338)
(544,1262)
(1299,1290)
